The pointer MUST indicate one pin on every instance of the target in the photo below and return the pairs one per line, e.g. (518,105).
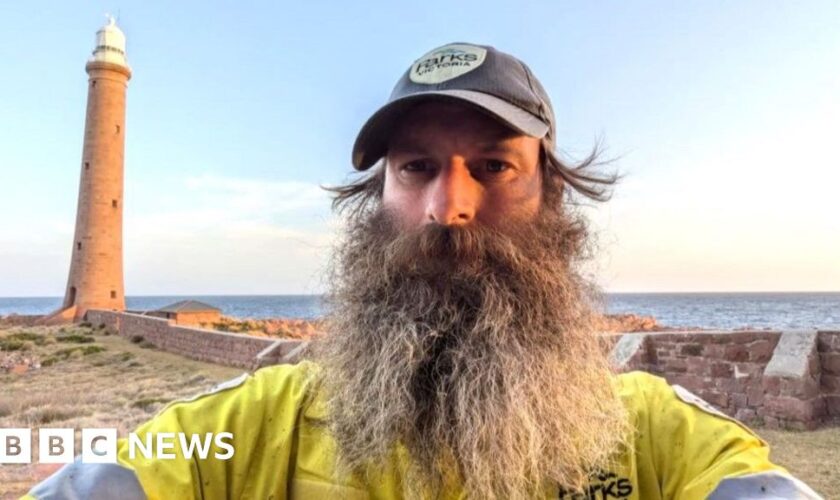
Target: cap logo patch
(446,63)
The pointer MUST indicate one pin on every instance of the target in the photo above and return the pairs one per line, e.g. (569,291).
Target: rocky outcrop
(18,362)
(631,323)
(306,329)
(274,327)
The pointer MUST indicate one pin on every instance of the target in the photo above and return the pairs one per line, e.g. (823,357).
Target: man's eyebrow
(496,147)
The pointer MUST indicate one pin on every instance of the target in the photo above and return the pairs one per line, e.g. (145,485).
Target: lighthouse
(95,280)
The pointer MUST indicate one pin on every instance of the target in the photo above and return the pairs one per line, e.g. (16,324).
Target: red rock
(721,370)
(829,341)
(19,369)
(755,396)
(761,350)
(831,362)
(746,415)
(628,323)
(729,385)
(769,421)
(691,350)
(790,408)
(771,385)
(674,365)
(804,388)
(736,352)
(831,383)
(738,400)
(832,405)
(718,399)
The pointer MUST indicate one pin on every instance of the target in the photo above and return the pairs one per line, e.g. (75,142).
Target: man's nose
(454,196)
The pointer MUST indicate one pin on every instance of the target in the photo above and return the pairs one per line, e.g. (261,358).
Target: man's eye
(495,166)
(416,166)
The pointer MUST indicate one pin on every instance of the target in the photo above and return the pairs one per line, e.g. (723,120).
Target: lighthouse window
(118,129)
(87,165)
(114,203)
(113,294)
(78,245)
(93,83)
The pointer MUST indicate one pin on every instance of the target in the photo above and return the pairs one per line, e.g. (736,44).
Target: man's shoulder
(287,385)
(639,385)
(644,393)
(287,382)
(643,390)
(299,373)
(653,399)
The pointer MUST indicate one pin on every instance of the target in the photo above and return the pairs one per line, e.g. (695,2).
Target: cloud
(229,235)
(258,198)
(232,205)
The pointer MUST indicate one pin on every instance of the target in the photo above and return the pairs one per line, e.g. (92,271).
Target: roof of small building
(189,306)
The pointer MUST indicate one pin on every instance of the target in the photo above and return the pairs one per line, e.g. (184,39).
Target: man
(461,358)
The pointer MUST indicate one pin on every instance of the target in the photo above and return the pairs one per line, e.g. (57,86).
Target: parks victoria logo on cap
(446,63)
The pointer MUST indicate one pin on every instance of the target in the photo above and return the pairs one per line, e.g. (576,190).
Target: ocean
(705,310)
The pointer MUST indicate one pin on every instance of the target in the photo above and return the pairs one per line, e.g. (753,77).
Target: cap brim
(372,142)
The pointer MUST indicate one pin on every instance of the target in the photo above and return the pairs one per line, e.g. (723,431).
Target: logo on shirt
(446,63)
(603,485)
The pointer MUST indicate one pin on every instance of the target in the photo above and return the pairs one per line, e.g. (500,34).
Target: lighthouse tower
(96,267)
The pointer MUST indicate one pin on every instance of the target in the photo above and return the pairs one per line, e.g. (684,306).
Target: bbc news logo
(56,446)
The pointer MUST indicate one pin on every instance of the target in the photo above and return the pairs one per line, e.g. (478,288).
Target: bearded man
(461,358)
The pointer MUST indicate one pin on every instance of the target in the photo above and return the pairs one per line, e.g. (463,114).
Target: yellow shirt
(682,449)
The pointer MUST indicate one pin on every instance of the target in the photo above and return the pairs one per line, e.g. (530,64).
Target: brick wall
(780,379)
(244,351)
(828,348)
(109,319)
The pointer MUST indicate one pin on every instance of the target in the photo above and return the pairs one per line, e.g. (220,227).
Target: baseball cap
(478,75)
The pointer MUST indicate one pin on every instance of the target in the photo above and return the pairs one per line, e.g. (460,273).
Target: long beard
(474,349)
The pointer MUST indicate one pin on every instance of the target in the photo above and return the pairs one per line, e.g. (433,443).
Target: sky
(723,117)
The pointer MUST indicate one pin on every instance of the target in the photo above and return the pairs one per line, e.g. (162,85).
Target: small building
(189,312)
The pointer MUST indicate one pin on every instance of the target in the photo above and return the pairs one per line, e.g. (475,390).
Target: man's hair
(586,179)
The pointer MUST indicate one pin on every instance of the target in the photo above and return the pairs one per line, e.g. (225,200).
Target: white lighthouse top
(110,44)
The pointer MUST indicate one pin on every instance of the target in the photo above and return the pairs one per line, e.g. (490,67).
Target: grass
(64,354)
(26,336)
(106,381)
(811,456)
(75,338)
(149,403)
(10,345)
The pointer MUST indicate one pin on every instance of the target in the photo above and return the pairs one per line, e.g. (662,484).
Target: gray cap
(479,75)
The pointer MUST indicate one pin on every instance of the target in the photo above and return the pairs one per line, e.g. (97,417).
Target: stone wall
(244,351)
(828,348)
(107,319)
(779,379)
